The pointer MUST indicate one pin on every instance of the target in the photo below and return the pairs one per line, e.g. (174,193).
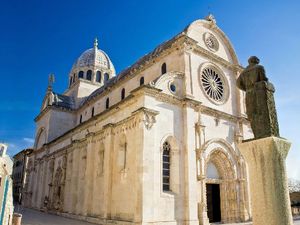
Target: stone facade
(135,148)
(6,196)
(19,174)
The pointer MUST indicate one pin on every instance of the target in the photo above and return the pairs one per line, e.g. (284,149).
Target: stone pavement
(34,217)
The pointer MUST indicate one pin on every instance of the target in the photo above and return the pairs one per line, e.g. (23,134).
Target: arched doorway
(213,193)
(221,188)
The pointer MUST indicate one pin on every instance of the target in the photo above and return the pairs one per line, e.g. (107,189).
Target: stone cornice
(198,106)
(222,115)
(215,58)
(108,129)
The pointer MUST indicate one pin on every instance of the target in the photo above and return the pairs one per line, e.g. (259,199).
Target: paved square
(34,217)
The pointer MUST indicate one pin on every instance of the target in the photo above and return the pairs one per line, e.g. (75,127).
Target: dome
(94,57)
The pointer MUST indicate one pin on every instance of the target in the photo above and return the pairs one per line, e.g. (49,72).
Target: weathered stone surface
(104,164)
(260,104)
(268,183)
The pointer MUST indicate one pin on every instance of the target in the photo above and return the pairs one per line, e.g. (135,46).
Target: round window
(173,87)
(213,85)
(211,42)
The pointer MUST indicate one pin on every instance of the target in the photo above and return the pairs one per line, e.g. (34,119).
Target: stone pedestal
(270,200)
(17,219)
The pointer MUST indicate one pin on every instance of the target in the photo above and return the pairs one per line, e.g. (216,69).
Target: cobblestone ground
(34,217)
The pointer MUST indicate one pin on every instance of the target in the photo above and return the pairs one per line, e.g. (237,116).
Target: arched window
(163,68)
(80,119)
(80,74)
(93,111)
(40,140)
(106,77)
(142,81)
(107,103)
(71,81)
(89,75)
(98,77)
(123,93)
(166,166)
(74,77)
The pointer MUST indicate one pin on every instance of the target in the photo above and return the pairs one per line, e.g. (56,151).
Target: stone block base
(268,181)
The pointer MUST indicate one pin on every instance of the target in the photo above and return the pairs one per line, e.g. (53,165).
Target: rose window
(211,42)
(213,84)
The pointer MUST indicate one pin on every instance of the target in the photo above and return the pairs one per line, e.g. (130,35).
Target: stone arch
(222,162)
(172,140)
(40,138)
(225,158)
(219,143)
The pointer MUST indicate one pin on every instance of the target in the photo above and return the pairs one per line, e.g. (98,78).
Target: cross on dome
(96,42)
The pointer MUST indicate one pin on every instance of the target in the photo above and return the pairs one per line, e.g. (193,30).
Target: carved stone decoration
(238,136)
(149,118)
(260,103)
(51,164)
(211,18)
(149,121)
(64,162)
(213,83)
(57,199)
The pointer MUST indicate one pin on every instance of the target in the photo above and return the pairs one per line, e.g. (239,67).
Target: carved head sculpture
(253,60)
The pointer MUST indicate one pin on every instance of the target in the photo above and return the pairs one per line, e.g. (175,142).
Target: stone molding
(158,95)
(145,115)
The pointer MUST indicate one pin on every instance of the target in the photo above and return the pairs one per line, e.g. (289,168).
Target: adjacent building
(19,174)
(155,144)
(295,203)
(6,198)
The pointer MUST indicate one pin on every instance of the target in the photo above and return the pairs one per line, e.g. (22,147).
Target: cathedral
(155,144)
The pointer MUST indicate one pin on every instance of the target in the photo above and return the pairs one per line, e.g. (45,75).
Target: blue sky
(39,37)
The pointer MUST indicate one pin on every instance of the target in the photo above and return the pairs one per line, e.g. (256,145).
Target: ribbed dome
(96,58)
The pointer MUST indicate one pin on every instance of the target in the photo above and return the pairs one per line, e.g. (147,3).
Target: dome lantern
(93,66)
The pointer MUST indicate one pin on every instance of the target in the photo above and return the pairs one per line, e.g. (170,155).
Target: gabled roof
(63,101)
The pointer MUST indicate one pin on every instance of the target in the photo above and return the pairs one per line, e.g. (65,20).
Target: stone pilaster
(74,179)
(190,168)
(68,184)
(88,203)
(268,181)
(108,175)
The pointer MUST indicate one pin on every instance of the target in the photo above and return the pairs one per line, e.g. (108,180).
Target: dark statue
(260,104)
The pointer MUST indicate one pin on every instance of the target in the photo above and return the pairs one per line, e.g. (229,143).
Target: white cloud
(28,140)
